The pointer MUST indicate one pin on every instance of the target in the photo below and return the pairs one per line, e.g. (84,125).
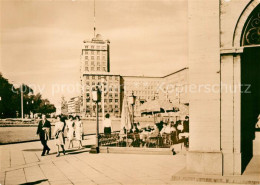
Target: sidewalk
(23,164)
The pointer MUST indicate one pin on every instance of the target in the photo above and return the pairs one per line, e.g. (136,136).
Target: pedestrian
(70,130)
(59,135)
(107,124)
(79,131)
(44,131)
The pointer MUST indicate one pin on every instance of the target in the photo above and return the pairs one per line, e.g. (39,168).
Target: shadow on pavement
(35,182)
(32,150)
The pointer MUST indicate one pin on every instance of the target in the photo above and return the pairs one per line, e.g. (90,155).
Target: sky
(41,40)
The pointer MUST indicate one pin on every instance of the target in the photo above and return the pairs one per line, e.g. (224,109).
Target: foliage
(10,101)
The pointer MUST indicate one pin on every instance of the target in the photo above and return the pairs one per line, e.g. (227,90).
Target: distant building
(64,106)
(172,88)
(74,105)
(95,70)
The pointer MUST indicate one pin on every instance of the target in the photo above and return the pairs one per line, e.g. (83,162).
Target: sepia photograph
(129,92)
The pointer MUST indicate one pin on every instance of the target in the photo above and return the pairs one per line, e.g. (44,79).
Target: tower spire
(94,18)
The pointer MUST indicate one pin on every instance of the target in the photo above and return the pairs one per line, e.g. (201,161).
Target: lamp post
(103,97)
(21,101)
(1,107)
(132,102)
(96,96)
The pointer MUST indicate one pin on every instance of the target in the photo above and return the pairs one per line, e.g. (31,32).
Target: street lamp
(131,100)
(96,97)
(103,97)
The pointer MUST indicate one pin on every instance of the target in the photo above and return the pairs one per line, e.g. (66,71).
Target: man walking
(44,131)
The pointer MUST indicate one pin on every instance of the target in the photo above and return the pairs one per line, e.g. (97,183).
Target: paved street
(23,164)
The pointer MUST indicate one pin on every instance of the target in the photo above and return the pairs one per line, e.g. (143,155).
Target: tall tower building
(95,55)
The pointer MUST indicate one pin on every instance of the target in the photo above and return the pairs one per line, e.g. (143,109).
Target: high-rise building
(95,66)
(95,55)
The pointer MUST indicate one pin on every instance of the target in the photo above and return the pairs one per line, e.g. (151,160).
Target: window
(93,83)
(116,100)
(86,47)
(98,68)
(116,95)
(93,77)
(92,47)
(92,52)
(88,100)
(92,63)
(116,106)
(98,63)
(92,69)
(105,100)
(104,57)
(87,77)
(110,95)
(86,63)
(98,47)
(99,77)
(86,52)
(103,47)
(92,57)
(110,77)
(104,68)
(86,68)
(86,57)
(110,100)
(98,52)
(87,94)
(98,57)
(87,83)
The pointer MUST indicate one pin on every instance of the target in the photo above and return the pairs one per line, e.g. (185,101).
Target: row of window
(105,77)
(110,95)
(95,47)
(93,63)
(93,69)
(105,100)
(93,57)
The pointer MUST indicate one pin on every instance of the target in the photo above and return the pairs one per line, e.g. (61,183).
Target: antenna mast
(94,18)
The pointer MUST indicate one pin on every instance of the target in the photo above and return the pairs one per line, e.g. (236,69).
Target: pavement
(23,164)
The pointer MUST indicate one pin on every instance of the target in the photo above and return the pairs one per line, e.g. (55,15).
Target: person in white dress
(79,131)
(107,124)
(59,135)
(70,130)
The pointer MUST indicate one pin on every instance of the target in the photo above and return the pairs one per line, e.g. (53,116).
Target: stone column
(204,154)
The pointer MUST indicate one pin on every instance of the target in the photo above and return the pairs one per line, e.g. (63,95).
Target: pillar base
(204,162)
(214,163)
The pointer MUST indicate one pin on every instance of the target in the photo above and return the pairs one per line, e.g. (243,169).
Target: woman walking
(59,135)
(70,130)
(78,131)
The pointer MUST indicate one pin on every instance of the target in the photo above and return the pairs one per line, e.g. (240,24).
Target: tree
(10,101)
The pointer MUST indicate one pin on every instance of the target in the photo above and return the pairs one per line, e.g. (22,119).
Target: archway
(250,84)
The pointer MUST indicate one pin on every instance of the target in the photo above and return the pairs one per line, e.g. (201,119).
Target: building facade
(95,73)
(172,87)
(95,55)
(112,93)
(223,55)
(74,105)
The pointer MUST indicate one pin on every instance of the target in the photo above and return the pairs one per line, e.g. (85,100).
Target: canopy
(157,106)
